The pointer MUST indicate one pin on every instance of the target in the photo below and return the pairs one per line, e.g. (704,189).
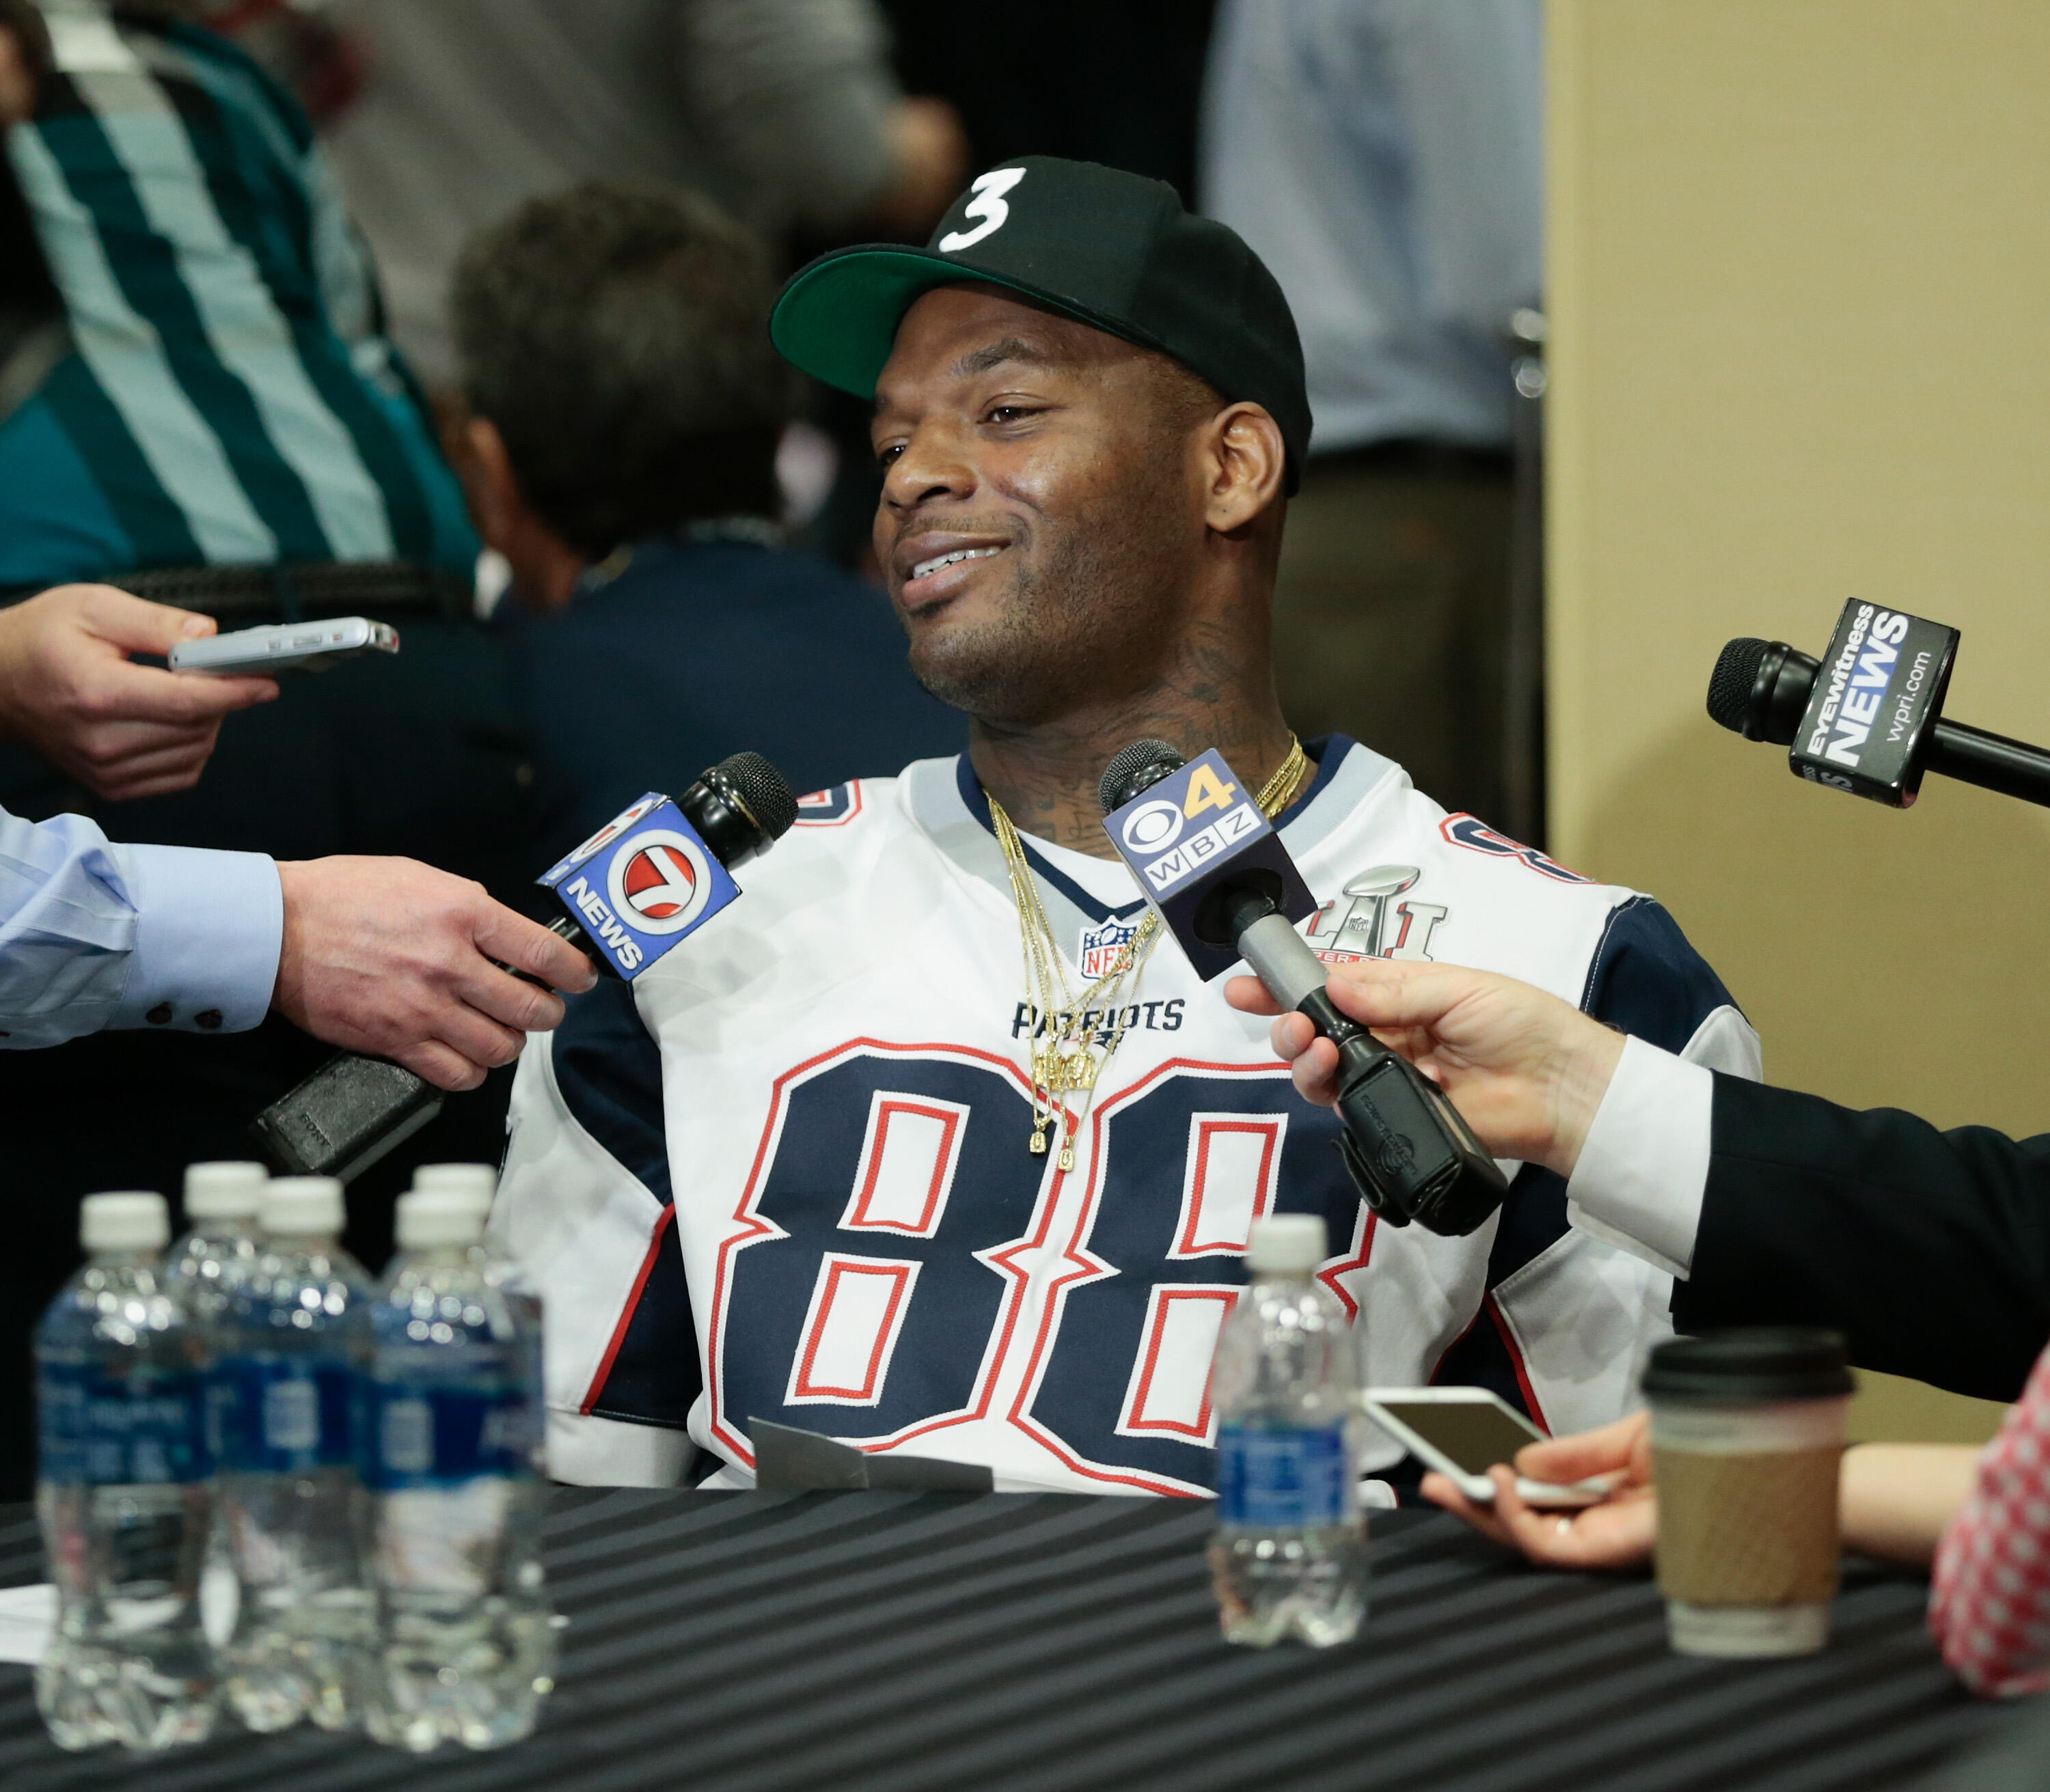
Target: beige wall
(1799,288)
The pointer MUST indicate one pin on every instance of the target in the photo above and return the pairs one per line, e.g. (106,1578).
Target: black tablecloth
(899,1642)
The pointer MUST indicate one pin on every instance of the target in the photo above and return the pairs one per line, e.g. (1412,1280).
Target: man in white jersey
(835,1164)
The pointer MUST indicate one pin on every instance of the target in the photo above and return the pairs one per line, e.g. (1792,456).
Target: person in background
(1068,87)
(785,111)
(1383,156)
(230,435)
(624,407)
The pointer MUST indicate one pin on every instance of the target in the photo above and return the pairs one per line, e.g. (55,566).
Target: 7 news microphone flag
(635,890)
(1867,717)
(1216,873)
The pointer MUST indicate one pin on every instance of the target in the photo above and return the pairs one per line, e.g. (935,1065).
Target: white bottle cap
(478,1183)
(223,1191)
(439,1216)
(127,1222)
(301,1207)
(1286,1245)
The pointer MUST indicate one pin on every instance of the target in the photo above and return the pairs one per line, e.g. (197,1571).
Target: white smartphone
(283,647)
(1462,1432)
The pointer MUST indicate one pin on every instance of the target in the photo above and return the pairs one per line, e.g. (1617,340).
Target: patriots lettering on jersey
(1475,836)
(830,808)
(1369,921)
(1152,1016)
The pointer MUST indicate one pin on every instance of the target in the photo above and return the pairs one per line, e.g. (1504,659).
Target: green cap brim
(837,319)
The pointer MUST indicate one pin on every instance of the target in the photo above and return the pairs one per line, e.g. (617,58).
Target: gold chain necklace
(1067,1056)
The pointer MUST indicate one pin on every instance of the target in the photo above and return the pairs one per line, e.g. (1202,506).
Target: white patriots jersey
(785,1175)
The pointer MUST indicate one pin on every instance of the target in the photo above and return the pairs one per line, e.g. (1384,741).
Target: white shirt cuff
(1644,1167)
(209,929)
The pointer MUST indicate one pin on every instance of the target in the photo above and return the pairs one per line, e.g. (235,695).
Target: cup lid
(1750,1363)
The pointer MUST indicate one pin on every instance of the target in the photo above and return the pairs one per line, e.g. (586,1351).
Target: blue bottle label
(1282,1480)
(100,1427)
(417,1436)
(279,1416)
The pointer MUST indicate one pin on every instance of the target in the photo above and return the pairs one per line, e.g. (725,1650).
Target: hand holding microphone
(633,891)
(1219,878)
(1526,1070)
(393,957)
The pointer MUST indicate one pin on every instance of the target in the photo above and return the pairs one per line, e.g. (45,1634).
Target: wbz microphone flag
(643,882)
(1185,836)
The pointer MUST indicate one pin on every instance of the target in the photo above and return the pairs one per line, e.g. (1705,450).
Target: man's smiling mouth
(925,568)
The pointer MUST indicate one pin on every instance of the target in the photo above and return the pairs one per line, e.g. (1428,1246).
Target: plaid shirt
(1989,1606)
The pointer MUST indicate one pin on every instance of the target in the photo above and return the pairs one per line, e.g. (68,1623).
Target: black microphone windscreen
(764,791)
(1731,684)
(1133,768)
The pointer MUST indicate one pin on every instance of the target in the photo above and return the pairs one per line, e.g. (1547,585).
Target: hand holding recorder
(69,690)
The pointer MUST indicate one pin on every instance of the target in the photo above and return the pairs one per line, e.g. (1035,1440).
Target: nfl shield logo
(1100,945)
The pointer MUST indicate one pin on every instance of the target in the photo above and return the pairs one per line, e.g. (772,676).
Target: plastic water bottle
(467,1645)
(206,1266)
(287,1485)
(1289,1556)
(478,1183)
(220,1207)
(121,1492)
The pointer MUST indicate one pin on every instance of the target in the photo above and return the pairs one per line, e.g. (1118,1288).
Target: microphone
(1227,890)
(636,889)
(1871,722)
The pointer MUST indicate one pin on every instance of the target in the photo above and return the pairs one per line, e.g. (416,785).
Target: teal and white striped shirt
(232,399)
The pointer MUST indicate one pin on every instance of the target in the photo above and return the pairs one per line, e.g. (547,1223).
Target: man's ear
(1246,462)
(496,506)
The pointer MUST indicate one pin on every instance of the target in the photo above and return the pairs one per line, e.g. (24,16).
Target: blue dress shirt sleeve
(94,935)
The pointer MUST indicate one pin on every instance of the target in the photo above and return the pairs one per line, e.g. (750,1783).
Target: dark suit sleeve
(1929,1250)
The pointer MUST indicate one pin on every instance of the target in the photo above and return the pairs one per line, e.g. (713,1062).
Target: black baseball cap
(1116,249)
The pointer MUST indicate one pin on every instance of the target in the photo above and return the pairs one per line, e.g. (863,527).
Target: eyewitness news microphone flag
(1176,837)
(1879,689)
(642,885)
(1868,719)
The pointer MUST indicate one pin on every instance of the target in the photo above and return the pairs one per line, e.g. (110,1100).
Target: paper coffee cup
(1748,1443)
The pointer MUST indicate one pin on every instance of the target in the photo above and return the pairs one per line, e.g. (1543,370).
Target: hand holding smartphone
(1462,1432)
(283,647)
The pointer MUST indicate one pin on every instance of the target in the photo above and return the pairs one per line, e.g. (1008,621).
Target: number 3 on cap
(987,205)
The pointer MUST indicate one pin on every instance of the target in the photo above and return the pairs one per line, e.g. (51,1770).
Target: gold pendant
(1067,1157)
